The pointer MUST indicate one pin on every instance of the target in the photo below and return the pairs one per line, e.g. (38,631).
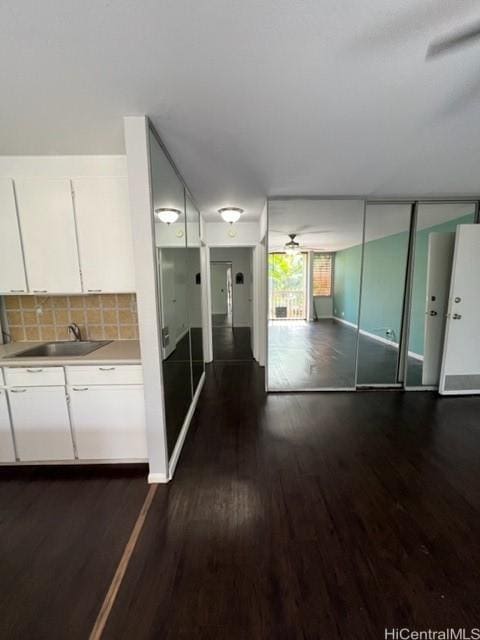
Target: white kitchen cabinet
(108,422)
(7,452)
(104,234)
(45,208)
(41,423)
(12,268)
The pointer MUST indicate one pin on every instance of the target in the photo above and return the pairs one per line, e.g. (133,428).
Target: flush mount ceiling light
(292,248)
(230,214)
(167,214)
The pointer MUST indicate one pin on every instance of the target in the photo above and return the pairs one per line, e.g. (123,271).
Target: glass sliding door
(434,239)
(288,282)
(314,292)
(386,247)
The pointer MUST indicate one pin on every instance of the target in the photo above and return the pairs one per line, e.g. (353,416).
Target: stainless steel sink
(62,349)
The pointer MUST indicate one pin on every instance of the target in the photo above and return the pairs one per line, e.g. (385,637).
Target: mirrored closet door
(433,247)
(175,262)
(387,237)
(314,267)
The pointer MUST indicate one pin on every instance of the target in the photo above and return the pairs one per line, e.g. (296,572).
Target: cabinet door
(41,423)
(7,453)
(104,234)
(12,268)
(109,422)
(45,207)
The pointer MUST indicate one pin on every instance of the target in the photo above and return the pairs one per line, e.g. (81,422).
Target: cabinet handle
(107,368)
(18,390)
(17,290)
(40,291)
(80,388)
(34,370)
(94,290)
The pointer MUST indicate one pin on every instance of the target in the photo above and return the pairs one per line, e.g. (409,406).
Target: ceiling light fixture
(292,248)
(167,214)
(230,214)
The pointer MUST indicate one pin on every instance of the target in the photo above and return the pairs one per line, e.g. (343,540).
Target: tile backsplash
(100,317)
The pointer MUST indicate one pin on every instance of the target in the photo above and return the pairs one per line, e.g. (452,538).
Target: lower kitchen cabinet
(7,452)
(41,423)
(108,421)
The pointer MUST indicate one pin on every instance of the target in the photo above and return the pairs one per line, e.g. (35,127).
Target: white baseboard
(157,478)
(374,336)
(183,433)
(349,324)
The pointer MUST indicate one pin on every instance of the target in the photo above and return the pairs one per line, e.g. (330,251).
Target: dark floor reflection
(321,354)
(178,389)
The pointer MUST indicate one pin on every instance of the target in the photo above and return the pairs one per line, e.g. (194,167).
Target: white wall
(323,306)
(219,287)
(62,166)
(217,234)
(241,259)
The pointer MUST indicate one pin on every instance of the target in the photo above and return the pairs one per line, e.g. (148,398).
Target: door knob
(456,316)
(433,313)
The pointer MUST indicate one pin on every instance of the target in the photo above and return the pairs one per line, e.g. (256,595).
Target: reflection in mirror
(314,265)
(433,254)
(387,232)
(194,291)
(170,238)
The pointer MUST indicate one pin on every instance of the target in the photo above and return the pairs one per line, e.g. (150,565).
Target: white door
(166,278)
(7,452)
(41,423)
(219,287)
(460,373)
(12,268)
(45,209)
(108,422)
(439,271)
(104,234)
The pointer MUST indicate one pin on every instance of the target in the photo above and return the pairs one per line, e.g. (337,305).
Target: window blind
(322,274)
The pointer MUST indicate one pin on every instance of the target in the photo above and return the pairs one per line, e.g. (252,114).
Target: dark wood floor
(322,354)
(309,517)
(62,533)
(231,343)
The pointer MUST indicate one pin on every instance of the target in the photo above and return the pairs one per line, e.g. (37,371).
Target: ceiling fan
(444,44)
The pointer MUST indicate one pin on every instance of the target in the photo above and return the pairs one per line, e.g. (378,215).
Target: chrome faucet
(74,329)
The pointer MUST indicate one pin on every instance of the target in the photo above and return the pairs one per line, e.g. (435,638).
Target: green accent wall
(346,283)
(383,283)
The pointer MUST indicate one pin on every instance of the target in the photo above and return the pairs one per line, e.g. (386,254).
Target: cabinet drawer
(34,376)
(105,374)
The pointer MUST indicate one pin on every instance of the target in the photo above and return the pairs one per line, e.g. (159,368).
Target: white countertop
(116,352)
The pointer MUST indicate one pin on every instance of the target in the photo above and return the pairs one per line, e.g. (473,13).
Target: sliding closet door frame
(407,303)
(361,199)
(418,203)
(405,308)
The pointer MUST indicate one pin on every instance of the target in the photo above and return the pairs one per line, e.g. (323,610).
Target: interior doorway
(222,294)
(231,270)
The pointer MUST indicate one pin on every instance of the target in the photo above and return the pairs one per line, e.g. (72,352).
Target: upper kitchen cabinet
(104,234)
(12,268)
(47,220)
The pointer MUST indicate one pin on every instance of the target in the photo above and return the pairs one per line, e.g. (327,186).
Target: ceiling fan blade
(444,44)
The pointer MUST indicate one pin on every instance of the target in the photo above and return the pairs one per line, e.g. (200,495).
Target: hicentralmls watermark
(431,634)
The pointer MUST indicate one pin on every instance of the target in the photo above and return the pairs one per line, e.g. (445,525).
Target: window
(322,274)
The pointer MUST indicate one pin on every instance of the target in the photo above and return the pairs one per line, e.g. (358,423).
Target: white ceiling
(252,97)
(332,225)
